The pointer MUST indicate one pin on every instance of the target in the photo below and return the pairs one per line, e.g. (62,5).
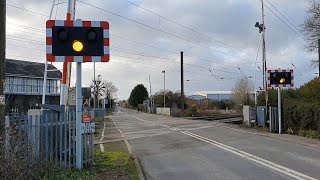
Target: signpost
(78,41)
(280,78)
(87,128)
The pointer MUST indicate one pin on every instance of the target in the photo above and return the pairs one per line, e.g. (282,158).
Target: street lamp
(96,84)
(164,88)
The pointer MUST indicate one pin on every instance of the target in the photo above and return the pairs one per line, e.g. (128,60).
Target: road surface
(176,148)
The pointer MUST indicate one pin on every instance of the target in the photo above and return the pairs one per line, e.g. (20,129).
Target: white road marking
(143,131)
(240,130)
(266,163)
(276,167)
(102,136)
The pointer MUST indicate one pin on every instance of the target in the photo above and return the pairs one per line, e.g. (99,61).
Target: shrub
(301,115)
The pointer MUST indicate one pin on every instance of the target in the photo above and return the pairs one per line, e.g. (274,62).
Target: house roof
(30,69)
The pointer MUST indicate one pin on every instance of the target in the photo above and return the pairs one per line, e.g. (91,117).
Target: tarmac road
(177,148)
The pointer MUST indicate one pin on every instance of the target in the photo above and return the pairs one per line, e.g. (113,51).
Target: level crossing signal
(280,78)
(77,41)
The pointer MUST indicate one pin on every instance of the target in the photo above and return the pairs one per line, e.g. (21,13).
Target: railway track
(224,118)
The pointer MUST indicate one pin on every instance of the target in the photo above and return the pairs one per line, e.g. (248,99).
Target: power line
(25,40)
(129,52)
(148,45)
(184,26)
(284,22)
(28,27)
(144,44)
(283,16)
(34,12)
(160,30)
(119,48)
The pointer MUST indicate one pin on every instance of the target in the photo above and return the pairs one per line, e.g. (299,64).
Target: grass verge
(305,133)
(102,120)
(108,165)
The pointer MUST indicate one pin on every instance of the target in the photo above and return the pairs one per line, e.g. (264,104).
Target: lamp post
(96,91)
(164,88)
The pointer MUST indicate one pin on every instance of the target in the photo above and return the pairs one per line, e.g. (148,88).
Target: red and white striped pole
(66,71)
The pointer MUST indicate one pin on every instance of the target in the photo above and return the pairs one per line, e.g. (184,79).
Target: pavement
(177,148)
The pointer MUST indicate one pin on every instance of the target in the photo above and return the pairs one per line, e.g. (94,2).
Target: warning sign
(86,118)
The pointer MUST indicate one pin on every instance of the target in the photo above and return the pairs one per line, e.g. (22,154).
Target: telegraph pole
(2,58)
(164,88)
(151,107)
(319,54)
(182,81)
(264,57)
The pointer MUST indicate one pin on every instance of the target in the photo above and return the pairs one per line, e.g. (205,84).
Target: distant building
(24,82)
(212,95)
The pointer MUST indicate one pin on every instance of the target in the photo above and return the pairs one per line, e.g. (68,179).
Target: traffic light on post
(280,78)
(77,41)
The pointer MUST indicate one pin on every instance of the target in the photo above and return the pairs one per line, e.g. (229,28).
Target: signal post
(280,79)
(78,41)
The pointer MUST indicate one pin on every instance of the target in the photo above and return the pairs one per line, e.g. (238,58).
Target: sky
(147,36)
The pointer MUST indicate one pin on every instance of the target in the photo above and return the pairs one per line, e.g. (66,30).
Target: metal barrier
(51,134)
(261,116)
(274,119)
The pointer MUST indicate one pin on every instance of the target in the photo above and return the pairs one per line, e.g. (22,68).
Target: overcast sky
(224,40)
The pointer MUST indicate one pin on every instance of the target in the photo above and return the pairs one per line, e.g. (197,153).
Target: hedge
(301,115)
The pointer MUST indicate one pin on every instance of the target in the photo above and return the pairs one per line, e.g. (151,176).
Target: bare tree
(98,90)
(242,92)
(110,90)
(311,27)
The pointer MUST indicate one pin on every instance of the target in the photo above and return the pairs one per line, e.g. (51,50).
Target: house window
(35,88)
(29,85)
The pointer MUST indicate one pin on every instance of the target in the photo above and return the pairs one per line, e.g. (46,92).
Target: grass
(309,134)
(263,128)
(108,165)
(305,133)
(102,120)
(116,164)
(69,174)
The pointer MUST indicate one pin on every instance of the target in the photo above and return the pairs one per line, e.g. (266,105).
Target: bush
(193,111)
(301,115)
(301,108)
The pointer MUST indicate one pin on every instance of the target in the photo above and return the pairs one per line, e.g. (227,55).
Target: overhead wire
(186,27)
(283,21)
(148,45)
(284,16)
(85,3)
(160,30)
(34,12)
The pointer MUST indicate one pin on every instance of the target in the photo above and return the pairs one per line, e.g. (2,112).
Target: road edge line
(267,134)
(132,153)
(269,164)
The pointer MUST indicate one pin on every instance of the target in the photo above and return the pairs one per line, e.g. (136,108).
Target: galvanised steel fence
(51,134)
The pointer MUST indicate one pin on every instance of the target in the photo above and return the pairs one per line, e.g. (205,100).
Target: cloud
(229,21)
